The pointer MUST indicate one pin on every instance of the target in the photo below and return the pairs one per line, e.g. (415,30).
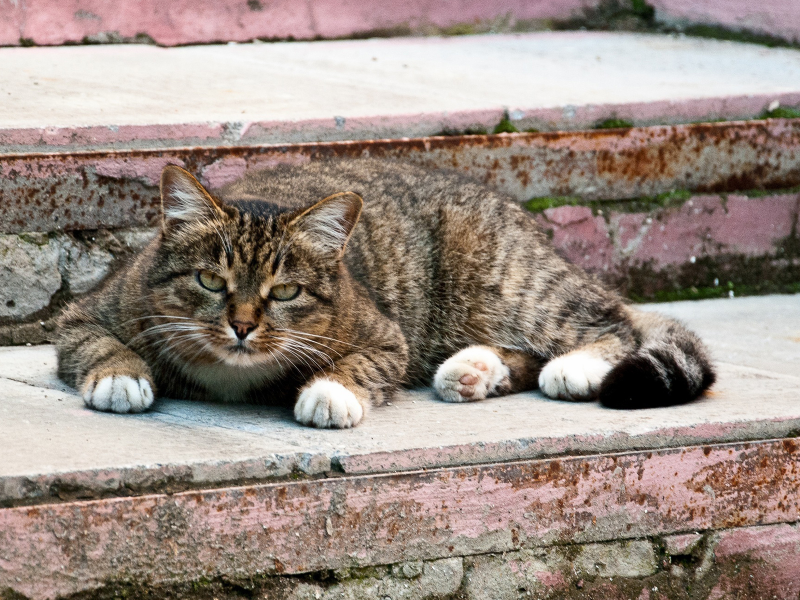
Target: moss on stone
(672,198)
(537,205)
(713,277)
(772,192)
(718,32)
(640,16)
(505,126)
(781,112)
(459,29)
(613,124)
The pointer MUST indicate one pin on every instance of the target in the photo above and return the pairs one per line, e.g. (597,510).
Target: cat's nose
(242,328)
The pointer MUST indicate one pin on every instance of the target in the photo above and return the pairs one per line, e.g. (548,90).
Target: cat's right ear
(184,199)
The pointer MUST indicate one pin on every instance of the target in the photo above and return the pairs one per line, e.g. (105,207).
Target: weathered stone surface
(34,266)
(136,238)
(512,575)
(682,544)
(635,558)
(770,17)
(88,258)
(752,563)
(50,22)
(29,274)
(83,266)
(426,581)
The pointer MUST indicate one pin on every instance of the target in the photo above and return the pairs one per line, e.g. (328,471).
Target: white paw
(471,374)
(328,404)
(573,376)
(119,394)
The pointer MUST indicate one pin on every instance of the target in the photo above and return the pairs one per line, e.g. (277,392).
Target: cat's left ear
(184,199)
(329,223)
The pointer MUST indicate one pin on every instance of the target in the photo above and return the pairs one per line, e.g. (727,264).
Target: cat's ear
(183,199)
(329,223)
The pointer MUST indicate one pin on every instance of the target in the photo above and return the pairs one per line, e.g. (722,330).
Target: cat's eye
(284,291)
(211,281)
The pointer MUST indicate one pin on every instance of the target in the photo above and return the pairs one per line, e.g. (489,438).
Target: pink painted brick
(780,18)
(580,236)
(752,226)
(758,562)
(53,22)
(708,225)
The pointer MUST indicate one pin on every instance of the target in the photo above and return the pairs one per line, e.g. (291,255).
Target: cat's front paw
(471,374)
(328,404)
(119,394)
(573,376)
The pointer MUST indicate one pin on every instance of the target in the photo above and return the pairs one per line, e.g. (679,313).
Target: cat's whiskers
(313,335)
(156,317)
(299,338)
(296,347)
(164,328)
(302,344)
(276,355)
(173,340)
(296,355)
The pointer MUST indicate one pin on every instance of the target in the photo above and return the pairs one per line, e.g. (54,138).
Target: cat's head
(242,287)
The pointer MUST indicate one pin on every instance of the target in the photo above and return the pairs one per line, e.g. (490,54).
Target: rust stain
(87,190)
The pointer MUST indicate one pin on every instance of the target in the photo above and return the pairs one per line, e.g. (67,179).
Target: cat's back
(415,191)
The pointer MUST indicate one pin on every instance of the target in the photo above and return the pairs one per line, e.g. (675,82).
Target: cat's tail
(671,366)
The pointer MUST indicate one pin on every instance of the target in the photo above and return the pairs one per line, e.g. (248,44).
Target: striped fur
(430,265)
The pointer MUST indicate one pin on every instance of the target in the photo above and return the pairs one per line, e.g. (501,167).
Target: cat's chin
(243,357)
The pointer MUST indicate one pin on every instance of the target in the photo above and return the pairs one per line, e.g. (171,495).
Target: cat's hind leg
(477,372)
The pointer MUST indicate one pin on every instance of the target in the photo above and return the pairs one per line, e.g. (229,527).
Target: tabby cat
(287,286)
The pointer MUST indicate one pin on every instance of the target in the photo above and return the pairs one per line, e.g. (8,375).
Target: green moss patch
(505,126)
(537,205)
(717,32)
(782,112)
(613,124)
(669,199)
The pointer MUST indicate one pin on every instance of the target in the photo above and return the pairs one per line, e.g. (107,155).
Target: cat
(332,284)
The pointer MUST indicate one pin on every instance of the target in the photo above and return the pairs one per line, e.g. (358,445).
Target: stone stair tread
(51,439)
(144,96)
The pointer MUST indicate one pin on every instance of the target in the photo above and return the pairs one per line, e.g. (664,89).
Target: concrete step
(660,211)
(49,22)
(93,501)
(78,98)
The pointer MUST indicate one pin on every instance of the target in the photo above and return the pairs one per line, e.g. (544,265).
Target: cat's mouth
(240,349)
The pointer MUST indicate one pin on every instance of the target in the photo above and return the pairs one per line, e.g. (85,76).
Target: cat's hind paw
(471,374)
(118,394)
(573,376)
(328,404)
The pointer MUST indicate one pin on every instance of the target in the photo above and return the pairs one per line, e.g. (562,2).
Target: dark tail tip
(654,380)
